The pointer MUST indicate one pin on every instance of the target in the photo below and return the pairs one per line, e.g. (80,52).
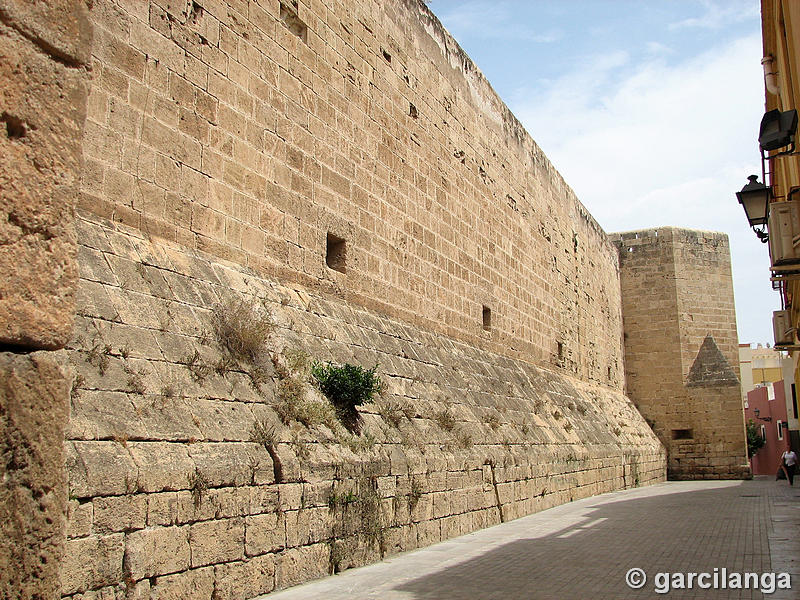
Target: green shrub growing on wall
(347,386)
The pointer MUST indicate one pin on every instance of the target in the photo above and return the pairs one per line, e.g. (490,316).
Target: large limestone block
(245,580)
(302,564)
(264,533)
(197,584)
(34,401)
(92,562)
(217,541)
(42,110)
(99,469)
(157,551)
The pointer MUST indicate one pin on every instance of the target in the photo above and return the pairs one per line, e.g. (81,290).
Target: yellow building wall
(768,375)
(781,40)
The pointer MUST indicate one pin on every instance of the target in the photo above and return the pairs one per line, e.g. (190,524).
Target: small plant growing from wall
(97,356)
(347,386)
(264,433)
(393,411)
(293,402)
(359,515)
(336,500)
(492,420)
(464,439)
(77,384)
(445,419)
(197,368)
(242,327)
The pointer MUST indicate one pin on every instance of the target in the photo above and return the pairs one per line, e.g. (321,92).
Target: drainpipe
(770,78)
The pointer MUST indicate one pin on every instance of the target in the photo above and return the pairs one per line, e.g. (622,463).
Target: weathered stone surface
(245,580)
(59,27)
(233,464)
(264,533)
(217,541)
(196,583)
(202,142)
(301,564)
(308,526)
(119,513)
(157,551)
(34,404)
(92,562)
(162,466)
(99,469)
(79,519)
(43,110)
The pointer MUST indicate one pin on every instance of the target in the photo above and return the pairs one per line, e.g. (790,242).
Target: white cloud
(656,48)
(620,131)
(496,21)
(647,144)
(718,15)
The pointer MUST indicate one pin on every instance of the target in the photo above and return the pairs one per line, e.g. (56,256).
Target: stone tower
(681,361)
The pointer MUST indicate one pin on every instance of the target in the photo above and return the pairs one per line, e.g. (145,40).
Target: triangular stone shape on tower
(710,367)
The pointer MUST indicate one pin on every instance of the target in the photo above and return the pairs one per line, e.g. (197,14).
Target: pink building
(766,406)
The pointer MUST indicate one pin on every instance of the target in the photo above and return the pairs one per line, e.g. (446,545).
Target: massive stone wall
(681,347)
(254,130)
(44,51)
(344,168)
(184,482)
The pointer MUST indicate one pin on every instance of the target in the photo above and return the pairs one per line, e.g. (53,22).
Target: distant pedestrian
(789,462)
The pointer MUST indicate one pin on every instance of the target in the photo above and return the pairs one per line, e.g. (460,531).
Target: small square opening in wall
(682,434)
(335,253)
(487,318)
(292,22)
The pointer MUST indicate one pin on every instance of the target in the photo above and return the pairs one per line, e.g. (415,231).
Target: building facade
(780,31)
(766,408)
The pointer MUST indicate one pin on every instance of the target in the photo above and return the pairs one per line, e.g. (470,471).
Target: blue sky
(649,109)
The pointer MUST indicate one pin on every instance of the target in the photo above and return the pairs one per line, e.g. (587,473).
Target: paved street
(584,549)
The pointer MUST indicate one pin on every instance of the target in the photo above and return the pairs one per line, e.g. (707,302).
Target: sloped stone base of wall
(184,482)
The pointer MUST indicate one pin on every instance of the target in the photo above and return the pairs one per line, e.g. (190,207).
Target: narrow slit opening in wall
(335,253)
(386,56)
(293,23)
(487,318)
(412,111)
(682,434)
(560,350)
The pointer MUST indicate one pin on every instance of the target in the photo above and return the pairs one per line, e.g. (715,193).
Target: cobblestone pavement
(584,549)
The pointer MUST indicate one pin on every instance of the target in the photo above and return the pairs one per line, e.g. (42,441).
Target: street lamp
(758,412)
(777,130)
(754,198)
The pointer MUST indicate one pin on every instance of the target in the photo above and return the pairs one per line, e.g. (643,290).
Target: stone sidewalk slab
(584,549)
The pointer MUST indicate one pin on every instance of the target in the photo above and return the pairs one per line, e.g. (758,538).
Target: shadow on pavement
(720,528)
